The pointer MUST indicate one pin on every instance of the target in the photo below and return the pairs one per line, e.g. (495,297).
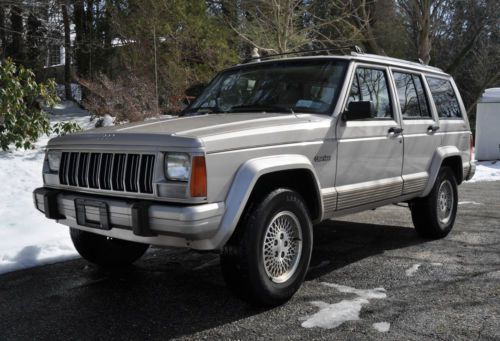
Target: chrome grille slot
(83,169)
(63,169)
(72,169)
(118,172)
(131,172)
(146,174)
(93,175)
(107,171)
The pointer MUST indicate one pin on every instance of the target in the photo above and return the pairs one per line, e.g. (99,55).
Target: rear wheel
(267,258)
(105,251)
(434,215)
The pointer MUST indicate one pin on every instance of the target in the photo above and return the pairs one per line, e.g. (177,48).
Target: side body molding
(437,160)
(244,182)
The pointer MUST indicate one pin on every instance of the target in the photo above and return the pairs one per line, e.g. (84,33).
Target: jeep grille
(108,171)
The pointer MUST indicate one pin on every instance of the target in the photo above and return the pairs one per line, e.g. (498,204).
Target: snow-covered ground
(332,315)
(27,238)
(487,171)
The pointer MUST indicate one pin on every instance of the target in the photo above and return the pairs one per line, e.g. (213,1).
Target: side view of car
(268,150)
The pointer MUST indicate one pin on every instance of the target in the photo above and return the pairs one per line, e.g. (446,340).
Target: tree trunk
(67,52)
(16,47)
(3,39)
(424,35)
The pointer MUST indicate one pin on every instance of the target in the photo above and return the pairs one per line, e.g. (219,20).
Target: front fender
(244,182)
(437,160)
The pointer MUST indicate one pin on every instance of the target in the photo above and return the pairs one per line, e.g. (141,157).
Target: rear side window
(444,97)
(371,85)
(411,95)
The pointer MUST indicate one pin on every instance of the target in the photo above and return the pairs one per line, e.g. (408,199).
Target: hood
(215,132)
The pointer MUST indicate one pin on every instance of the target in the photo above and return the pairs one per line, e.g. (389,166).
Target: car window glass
(411,96)
(422,97)
(290,86)
(444,97)
(371,85)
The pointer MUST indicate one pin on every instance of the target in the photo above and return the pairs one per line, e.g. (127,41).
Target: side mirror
(360,110)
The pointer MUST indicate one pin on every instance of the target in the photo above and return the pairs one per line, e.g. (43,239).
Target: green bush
(22,99)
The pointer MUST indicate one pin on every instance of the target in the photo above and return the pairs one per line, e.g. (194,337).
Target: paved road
(454,294)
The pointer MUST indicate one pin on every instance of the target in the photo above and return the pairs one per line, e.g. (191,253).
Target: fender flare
(440,155)
(244,182)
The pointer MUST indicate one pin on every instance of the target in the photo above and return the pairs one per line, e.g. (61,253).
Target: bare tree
(279,26)
(424,20)
(67,50)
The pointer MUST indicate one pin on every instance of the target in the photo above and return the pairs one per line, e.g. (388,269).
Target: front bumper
(135,220)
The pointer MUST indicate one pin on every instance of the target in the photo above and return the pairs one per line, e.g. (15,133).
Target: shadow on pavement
(340,243)
(170,293)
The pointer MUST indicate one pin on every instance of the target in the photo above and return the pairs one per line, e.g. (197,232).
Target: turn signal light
(198,185)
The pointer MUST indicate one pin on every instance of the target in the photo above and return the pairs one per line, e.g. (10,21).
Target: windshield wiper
(201,111)
(261,108)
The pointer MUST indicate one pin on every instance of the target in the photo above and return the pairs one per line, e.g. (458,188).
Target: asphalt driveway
(445,289)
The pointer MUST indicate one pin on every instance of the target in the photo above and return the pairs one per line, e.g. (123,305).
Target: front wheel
(105,251)
(266,260)
(434,215)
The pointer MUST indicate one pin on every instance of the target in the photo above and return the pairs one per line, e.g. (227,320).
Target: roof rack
(255,56)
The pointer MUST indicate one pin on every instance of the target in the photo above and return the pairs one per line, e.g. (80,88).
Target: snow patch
(437,264)
(411,271)
(382,327)
(333,315)
(469,203)
(376,293)
(487,171)
(27,238)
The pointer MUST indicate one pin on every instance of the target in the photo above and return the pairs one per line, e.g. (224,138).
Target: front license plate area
(81,206)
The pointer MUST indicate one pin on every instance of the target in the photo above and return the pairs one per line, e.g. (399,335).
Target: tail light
(198,185)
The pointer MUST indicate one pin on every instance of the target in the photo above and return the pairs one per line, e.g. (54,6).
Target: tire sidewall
(446,175)
(277,201)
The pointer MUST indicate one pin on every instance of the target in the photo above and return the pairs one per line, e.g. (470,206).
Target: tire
(105,251)
(434,215)
(267,258)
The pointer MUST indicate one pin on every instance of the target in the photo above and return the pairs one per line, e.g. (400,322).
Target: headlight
(54,158)
(177,166)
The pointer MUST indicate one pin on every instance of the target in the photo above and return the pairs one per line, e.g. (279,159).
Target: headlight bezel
(177,166)
(54,160)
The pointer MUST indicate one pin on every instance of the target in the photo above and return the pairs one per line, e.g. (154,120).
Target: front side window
(281,86)
(444,97)
(371,85)
(411,95)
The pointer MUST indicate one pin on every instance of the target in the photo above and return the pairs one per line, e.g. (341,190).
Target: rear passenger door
(370,152)
(420,129)
(454,129)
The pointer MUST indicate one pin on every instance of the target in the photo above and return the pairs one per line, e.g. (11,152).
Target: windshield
(282,86)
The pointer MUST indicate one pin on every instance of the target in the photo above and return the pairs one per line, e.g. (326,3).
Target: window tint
(444,98)
(411,95)
(371,85)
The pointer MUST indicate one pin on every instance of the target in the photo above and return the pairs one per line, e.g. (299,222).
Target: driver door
(370,151)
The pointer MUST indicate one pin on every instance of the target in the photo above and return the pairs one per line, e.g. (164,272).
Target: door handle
(395,130)
(432,129)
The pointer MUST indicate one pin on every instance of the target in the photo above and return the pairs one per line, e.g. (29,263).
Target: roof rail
(257,57)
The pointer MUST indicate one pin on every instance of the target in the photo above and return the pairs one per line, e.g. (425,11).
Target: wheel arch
(448,156)
(259,176)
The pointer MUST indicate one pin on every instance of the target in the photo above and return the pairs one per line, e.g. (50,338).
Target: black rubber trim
(81,218)
(49,202)
(140,219)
